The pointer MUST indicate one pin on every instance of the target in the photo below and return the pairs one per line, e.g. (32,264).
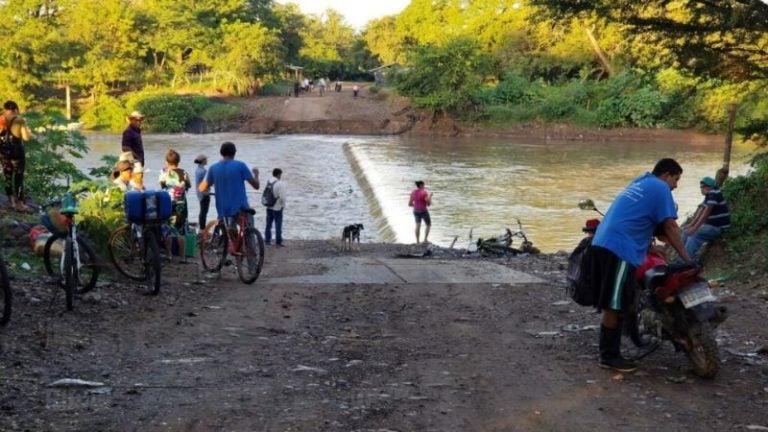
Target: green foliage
(513,89)
(107,114)
(281,88)
(749,210)
(443,78)
(101,212)
(167,112)
(218,113)
(49,153)
(105,170)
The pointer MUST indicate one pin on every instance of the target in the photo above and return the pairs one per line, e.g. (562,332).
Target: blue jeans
(705,233)
(275,216)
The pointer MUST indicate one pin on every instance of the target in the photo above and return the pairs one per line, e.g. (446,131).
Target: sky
(356,12)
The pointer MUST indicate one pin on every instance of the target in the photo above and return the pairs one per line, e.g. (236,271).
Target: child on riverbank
(175,181)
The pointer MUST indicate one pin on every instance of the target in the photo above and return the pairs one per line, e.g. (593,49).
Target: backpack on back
(578,281)
(268,198)
(10,146)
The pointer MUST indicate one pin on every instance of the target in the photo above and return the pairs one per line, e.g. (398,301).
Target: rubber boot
(610,351)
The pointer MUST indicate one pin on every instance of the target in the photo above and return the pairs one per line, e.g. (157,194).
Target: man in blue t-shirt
(620,245)
(228,176)
(712,220)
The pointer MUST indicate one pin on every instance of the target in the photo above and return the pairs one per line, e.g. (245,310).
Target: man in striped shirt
(712,220)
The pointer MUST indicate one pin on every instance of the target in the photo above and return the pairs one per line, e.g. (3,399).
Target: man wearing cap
(204,197)
(711,221)
(132,137)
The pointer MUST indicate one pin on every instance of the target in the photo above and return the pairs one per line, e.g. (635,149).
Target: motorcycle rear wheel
(703,353)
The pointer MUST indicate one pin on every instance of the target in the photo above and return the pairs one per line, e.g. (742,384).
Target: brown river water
(483,184)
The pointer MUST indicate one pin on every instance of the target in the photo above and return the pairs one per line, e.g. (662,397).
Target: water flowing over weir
(359,170)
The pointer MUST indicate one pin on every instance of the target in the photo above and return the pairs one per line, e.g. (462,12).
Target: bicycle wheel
(251,256)
(125,252)
(89,270)
(6,295)
(151,262)
(213,246)
(51,260)
(70,272)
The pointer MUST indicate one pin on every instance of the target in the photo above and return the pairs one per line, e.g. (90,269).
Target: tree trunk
(722,173)
(599,52)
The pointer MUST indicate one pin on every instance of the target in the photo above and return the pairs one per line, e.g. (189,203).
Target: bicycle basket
(55,222)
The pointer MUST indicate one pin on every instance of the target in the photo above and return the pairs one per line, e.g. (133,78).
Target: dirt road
(359,342)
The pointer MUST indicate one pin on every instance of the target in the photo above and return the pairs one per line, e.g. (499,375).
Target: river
(482,184)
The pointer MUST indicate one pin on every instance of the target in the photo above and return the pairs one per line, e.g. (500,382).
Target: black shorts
(419,216)
(613,279)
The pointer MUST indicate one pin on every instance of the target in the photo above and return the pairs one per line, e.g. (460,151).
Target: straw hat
(136,115)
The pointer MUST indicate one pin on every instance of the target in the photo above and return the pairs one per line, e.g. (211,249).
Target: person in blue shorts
(229,177)
(620,246)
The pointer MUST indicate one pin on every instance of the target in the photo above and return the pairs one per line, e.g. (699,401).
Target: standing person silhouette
(132,141)
(420,200)
(14,157)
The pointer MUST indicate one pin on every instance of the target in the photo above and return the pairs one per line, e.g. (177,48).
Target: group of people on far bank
(228,176)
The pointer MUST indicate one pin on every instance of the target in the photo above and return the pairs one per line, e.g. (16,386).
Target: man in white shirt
(275,212)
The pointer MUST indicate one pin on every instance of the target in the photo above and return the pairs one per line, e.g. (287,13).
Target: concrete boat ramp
(369,270)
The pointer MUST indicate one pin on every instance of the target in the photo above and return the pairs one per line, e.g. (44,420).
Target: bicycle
(77,270)
(134,248)
(238,237)
(5,290)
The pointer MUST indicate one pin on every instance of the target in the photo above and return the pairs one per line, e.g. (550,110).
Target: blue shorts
(419,216)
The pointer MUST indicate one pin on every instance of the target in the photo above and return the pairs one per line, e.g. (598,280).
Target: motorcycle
(675,304)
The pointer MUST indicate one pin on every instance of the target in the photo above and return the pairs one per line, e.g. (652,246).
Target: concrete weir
(363,270)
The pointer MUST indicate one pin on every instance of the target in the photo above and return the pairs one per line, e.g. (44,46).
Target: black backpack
(11,147)
(268,198)
(578,278)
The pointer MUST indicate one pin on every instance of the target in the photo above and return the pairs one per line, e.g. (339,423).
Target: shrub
(513,88)
(107,114)
(101,212)
(219,114)
(48,155)
(167,112)
(280,88)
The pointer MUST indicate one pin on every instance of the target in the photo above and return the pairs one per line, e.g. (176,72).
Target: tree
(381,37)
(247,51)
(444,78)
(105,44)
(723,38)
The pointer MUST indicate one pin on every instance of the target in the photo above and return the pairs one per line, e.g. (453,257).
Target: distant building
(293,72)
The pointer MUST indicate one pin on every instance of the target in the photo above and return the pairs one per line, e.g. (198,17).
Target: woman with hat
(204,197)
(132,137)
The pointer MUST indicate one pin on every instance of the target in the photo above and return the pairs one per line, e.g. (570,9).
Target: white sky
(356,12)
